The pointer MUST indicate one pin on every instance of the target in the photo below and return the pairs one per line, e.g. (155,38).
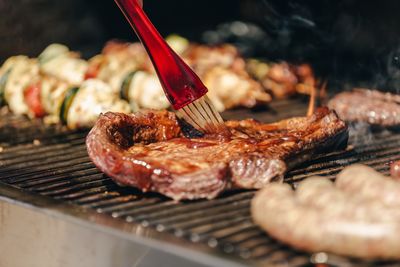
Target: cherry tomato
(33,100)
(92,71)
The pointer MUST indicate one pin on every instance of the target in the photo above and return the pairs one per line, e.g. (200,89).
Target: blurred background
(347,41)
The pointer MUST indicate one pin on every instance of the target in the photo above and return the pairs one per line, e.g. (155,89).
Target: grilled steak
(368,106)
(149,150)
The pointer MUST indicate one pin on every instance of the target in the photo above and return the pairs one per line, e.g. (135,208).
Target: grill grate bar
(101,200)
(29,158)
(385,158)
(205,222)
(76,194)
(43,137)
(67,184)
(167,218)
(195,210)
(35,167)
(66,191)
(37,149)
(141,203)
(191,234)
(45,179)
(346,157)
(57,168)
(178,208)
(234,233)
(224,226)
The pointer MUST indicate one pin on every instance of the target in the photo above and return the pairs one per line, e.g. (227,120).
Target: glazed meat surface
(370,106)
(153,151)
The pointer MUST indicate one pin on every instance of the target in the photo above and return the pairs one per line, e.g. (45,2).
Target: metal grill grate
(53,162)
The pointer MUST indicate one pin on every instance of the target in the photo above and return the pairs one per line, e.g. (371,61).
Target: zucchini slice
(51,52)
(65,105)
(3,83)
(126,83)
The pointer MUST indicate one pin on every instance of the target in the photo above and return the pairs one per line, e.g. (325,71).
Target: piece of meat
(370,106)
(365,181)
(203,57)
(228,89)
(319,192)
(340,228)
(149,150)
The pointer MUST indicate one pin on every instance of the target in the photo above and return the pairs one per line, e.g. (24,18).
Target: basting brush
(183,88)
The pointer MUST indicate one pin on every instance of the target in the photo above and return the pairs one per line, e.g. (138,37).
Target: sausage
(277,209)
(368,183)
(321,193)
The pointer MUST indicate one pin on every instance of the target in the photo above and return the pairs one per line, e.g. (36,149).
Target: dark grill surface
(53,162)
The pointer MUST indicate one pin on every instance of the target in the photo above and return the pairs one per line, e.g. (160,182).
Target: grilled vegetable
(51,52)
(94,67)
(145,91)
(32,96)
(52,95)
(66,104)
(3,82)
(178,43)
(94,97)
(59,61)
(126,83)
(116,62)
(22,71)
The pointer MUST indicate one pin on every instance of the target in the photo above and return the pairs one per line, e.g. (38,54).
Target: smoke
(360,133)
(393,70)
(349,42)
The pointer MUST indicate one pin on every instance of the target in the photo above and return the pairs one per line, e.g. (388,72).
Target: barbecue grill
(56,208)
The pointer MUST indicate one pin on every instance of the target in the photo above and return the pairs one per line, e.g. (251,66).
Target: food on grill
(395,169)
(74,106)
(202,57)
(84,104)
(52,87)
(357,216)
(142,89)
(282,79)
(117,61)
(32,98)
(41,87)
(15,74)
(50,93)
(361,179)
(151,151)
(370,106)
(229,89)
(58,61)
(128,70)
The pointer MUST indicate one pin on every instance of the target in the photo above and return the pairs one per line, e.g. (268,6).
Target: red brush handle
(181,85)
